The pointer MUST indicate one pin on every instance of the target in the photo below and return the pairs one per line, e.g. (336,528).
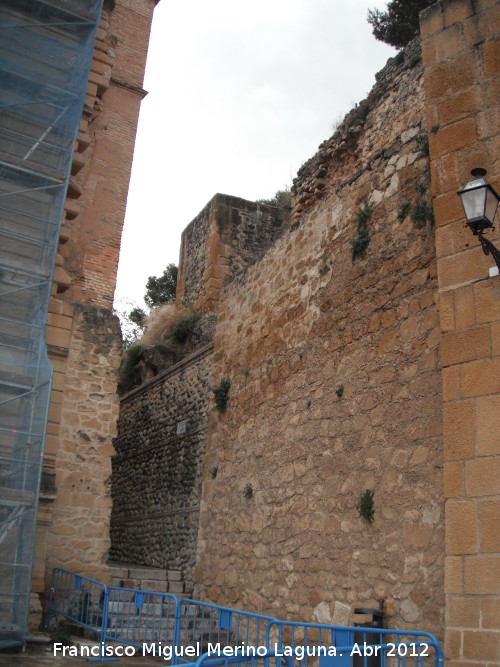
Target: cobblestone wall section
(157,472)
(335,389)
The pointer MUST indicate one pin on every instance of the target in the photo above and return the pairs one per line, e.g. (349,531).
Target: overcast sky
(241,93)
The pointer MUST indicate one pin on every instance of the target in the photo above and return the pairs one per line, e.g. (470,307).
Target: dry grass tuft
(160,320)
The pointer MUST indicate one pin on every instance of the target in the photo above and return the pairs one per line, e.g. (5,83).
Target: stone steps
(155,580)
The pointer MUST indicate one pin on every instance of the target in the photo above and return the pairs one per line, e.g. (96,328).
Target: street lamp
(480,202)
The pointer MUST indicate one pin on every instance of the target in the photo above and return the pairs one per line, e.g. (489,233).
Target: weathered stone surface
(78,534)
(226,237)
(335,389)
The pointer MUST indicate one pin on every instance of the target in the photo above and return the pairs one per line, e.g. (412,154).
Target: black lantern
(480,202)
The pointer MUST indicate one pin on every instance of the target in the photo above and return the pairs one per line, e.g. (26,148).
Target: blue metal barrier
(338,646)
(157,624)
(78,599)
(135,617)
(205,626)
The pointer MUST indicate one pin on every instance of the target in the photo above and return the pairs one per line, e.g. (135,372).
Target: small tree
(138,316)
(161,289)
(399,24)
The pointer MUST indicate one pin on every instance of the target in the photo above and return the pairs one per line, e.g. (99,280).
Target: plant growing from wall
(422,144)
(213,472)
(366,506)
(83,607)
(403,211)
(282,198)
(361,241)
(248,491)
(184,327)
(340,390)
(422,213)
(128,374)
(421,187)
(221,394)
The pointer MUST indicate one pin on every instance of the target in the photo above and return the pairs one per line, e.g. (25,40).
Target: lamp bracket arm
(489,249)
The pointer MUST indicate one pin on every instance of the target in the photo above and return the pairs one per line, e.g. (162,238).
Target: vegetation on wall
(128,373)
(170,334)
(160,290)
(282,198)
(423,214)
(403,210)
(361,241)
(184,327)
(366,506)
(221,394)
(422,143)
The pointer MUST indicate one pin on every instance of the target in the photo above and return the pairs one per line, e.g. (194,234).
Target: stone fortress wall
(335,388)
(162,428)
(376,373)
(379,373)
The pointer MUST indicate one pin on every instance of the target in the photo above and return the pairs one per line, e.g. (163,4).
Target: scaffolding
(45,55)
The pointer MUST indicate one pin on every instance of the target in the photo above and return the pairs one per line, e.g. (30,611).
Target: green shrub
(129,375)
(167,351)
(422,144)
(422,213)
(366,506)
(221,394)
(361,241)
(404,209)
(184,327)
(282,198)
